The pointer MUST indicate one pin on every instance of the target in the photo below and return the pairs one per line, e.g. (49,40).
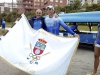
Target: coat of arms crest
(39,47)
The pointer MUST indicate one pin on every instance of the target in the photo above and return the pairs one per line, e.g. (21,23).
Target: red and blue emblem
(36,52)
(39,47)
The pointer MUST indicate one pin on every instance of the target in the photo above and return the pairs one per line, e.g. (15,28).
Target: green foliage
(58,9)
(67,9)
(93,7)
(74,11)
(85,5)
(63,10)
(29,14)
(12,16)
(4,14)
(8,18)
(76,5)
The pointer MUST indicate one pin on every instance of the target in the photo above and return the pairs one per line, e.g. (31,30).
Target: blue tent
(81,17)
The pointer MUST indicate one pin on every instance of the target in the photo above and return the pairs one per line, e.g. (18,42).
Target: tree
(63,9)
(85,5)
(58,9)
(93,7)
(68,8)
(8,17)
(76,5)
(73,7)
(11,17)
(4,14)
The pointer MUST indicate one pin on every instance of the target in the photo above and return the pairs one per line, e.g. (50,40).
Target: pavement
(82,63)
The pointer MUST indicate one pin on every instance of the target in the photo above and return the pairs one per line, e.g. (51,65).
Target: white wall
(2,9)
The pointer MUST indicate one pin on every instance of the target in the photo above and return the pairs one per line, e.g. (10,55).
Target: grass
(94,28)
(85,27)
(7,25)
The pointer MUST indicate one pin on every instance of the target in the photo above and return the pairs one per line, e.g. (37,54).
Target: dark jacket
(31,21)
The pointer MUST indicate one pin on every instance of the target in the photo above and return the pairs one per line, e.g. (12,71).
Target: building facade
(7,7)
(25,6)
(44,3)
(32,5)
(84,1)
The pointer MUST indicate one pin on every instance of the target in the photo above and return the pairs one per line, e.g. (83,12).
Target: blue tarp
(81,17)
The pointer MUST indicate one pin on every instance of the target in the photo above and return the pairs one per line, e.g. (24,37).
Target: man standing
(3,26)
(53,24)
(37,21)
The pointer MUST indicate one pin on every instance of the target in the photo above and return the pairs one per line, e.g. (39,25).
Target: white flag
(37,52)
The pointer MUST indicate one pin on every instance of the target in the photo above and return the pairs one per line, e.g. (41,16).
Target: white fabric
(50,6)
(19,43)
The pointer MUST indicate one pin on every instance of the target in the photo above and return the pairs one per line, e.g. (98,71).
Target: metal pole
(12,12)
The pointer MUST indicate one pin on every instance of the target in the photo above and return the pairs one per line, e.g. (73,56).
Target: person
(90,26)
(74,27)
(53,24)
(3,26)
(96,52)
(37,21)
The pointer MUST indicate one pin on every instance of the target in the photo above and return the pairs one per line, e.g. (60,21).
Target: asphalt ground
(83,61)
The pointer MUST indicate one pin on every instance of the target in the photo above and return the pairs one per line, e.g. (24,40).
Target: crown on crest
(42,41)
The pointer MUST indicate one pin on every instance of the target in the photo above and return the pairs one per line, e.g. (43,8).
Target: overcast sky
(7,1)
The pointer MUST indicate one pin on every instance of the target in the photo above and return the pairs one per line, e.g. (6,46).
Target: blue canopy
(81,17)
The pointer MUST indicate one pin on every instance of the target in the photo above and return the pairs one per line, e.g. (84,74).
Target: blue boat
(86,37)
(81,17)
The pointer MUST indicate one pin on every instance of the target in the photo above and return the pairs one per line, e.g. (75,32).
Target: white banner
(37,52)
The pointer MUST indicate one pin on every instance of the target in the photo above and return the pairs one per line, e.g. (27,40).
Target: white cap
(50,6)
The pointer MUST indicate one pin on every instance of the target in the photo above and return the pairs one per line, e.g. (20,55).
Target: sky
(7,1)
